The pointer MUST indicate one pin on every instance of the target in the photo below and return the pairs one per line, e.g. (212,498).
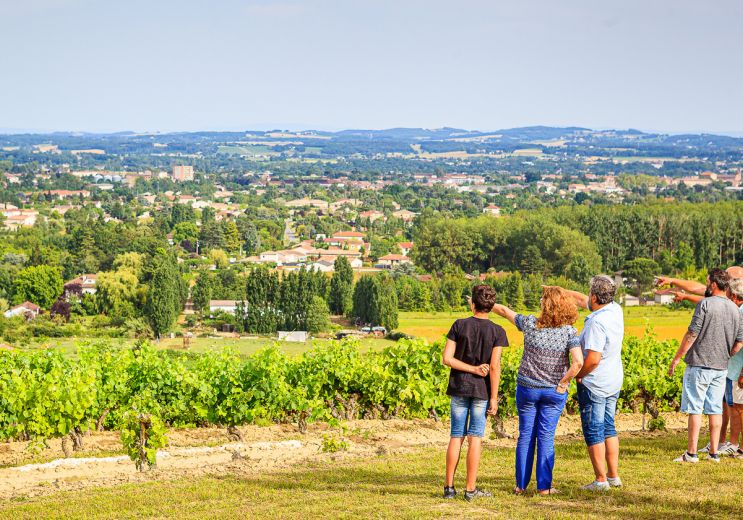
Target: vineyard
(141,390)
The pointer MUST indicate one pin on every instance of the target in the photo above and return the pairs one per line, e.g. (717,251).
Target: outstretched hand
(660,281)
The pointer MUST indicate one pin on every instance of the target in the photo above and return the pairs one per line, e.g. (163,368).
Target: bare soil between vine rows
(205,451)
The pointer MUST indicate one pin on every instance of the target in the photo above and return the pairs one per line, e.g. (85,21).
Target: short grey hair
(736,288)
(603,288)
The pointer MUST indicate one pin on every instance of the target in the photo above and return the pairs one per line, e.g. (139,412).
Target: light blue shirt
(604,332)
(735,365)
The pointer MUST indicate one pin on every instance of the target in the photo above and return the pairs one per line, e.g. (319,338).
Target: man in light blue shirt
(600,379)
(603,332)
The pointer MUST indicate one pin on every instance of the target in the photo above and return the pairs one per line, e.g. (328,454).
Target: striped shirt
(545,359)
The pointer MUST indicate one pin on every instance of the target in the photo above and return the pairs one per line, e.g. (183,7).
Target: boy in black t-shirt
(472,351)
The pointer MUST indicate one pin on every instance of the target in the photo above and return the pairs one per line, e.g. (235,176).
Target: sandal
(517,491)
(550,491)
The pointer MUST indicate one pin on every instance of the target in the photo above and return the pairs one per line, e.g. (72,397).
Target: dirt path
(204,451)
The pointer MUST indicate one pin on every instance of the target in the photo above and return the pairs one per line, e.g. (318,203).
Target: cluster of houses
(13,217)
(348,244)
(344,206)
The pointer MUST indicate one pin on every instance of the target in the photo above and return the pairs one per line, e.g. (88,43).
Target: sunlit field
(665,323)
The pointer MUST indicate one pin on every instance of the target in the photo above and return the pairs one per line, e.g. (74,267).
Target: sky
(185,65)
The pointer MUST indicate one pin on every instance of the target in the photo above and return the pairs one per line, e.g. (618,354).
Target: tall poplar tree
(164,298)
(341,287)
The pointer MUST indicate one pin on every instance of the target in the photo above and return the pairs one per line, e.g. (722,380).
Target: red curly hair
(558,309)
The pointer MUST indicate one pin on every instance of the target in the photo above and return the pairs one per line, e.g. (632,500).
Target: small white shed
(298,336)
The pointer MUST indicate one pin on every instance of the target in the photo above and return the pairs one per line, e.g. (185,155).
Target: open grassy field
(247,150)
(409,486)
(666,323)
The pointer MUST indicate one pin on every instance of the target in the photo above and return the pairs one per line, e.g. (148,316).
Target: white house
(86,281)
(631,301)
(324,266)
(492,209)
(227,306)
(283,257)
(27,309)
(391,260)
(356,262)
(405,247)
(664,297)
(353,244)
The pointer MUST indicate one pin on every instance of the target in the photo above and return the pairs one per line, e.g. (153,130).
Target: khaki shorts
(737,393)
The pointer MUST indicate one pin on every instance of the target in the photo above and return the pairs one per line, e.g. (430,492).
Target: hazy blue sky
(101,65)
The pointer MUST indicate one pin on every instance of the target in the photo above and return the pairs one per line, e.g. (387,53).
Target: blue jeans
(468,416)
(596,415)
(729,392)
(539,411)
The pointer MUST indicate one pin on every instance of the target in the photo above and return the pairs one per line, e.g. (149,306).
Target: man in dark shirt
(472,351)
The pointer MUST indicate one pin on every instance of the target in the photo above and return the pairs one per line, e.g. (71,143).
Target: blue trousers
(539,411)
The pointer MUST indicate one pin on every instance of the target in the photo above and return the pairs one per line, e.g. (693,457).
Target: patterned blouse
(545,358)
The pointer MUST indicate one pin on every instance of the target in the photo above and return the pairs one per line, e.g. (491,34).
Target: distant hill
(524,133)
(405,133)
(352,142)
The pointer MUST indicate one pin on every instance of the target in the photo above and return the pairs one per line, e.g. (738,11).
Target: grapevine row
(140,390)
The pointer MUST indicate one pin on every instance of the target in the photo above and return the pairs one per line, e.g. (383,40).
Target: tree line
(577,241)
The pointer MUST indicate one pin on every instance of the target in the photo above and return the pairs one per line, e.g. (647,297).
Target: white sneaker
(597,486)
(614,481)
(714,458)
(705,449)
(728,449)
(686,458)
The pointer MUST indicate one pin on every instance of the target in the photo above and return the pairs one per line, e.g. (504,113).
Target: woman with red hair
(545,372)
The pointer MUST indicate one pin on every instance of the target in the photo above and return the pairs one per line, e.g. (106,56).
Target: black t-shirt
(475,339)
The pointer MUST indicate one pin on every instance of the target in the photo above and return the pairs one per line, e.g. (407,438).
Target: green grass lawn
(246,149)
(408,486)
